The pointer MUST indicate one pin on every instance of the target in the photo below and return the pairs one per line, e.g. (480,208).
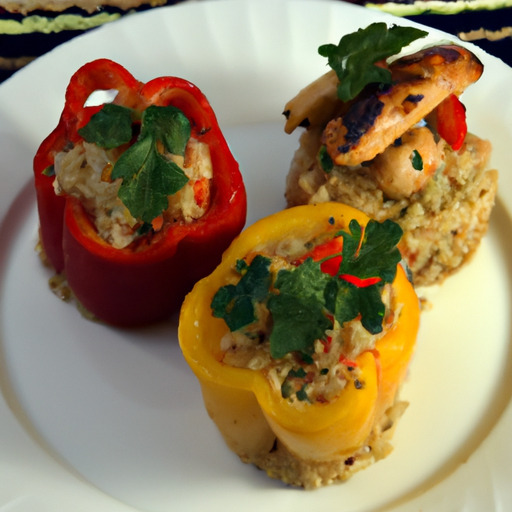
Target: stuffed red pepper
(138,196)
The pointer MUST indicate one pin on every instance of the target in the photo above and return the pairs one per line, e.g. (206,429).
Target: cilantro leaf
(235,303)
(110,127)
(356,54)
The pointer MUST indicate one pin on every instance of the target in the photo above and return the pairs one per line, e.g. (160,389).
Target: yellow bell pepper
(249,413)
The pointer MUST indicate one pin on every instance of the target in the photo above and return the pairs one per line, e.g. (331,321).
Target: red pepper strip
(451,121)
(147,280)
(322,251)
(327,344)
(360,282)
(331,265)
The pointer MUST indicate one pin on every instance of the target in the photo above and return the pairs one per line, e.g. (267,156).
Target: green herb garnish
(148,177)
(372,253)
(49,171)
(235,303)
(417,161)
(354,58)
(298,310)
(302,394)
(110,127)
(370,258)
(291,382)
(303,299)
(325,160)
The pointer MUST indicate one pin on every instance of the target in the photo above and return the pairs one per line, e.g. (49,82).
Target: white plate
(93,418)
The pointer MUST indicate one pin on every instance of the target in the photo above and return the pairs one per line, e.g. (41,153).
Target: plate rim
(8,408)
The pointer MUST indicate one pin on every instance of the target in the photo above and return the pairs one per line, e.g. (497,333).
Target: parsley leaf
(376,254)
(356,54)
(305,280)
(298,310)
(298,322)
(148,177)
(350,301)
(341,299)
(110,127)
(367,253)
(235,303)
(303,299)
(168,125)
(371,307)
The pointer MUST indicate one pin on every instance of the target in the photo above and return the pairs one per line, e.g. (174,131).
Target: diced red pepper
(323,251)
(331,265)
(451,121)
(157,223)
(147,280)
(201,192)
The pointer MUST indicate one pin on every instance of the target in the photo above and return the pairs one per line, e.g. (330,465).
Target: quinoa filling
(319,370)
(83,172)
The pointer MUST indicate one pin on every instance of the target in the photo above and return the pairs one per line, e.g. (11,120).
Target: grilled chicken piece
(377,118)
(314,105)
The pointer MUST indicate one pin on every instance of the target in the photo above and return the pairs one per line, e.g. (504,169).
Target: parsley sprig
(302,300)
(235,303)
(148,177)
(354,58)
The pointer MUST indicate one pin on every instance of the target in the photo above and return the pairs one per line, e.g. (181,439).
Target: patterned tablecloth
(486,23)
(27,35)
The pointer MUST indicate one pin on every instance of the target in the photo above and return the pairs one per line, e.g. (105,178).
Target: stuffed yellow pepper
(300,340)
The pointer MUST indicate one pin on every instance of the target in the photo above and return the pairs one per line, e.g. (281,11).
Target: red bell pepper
(147,280)
(451,121)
